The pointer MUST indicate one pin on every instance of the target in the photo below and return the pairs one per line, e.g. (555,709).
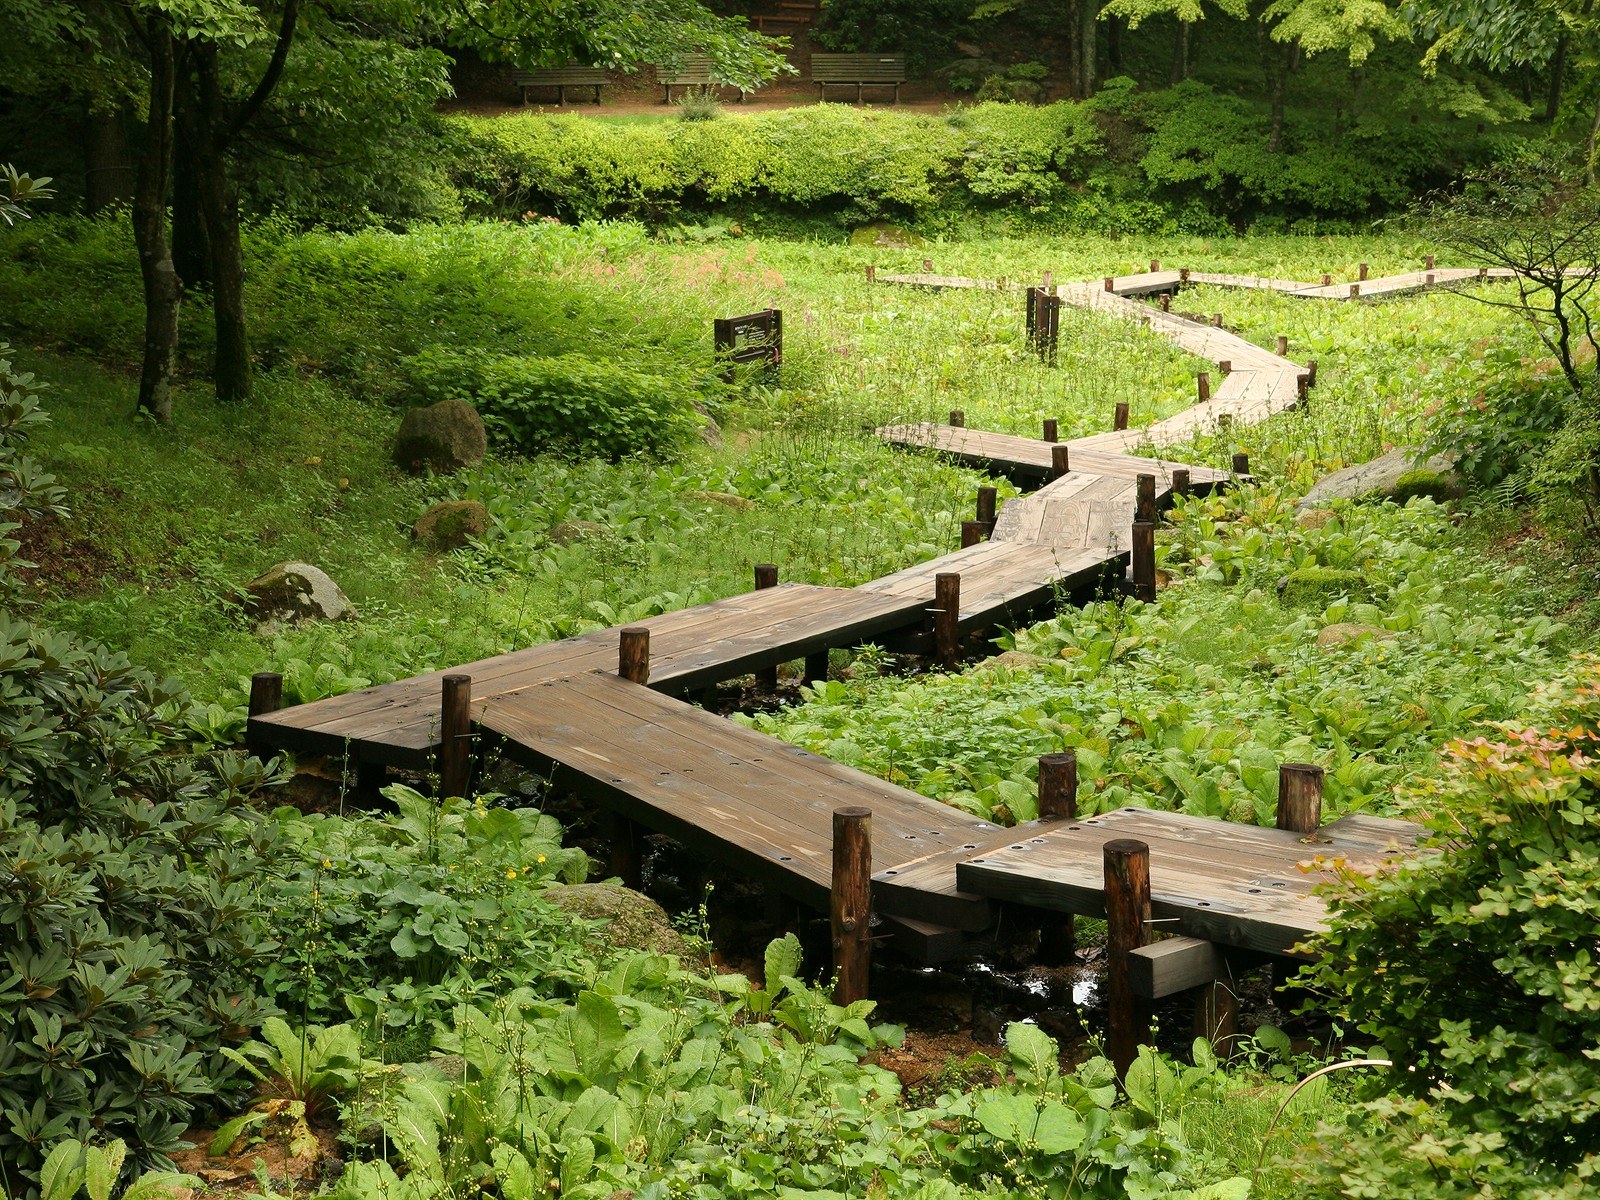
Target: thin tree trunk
(1075,47)
(1558,73)
(219,213)
(1589,149)
(1114,45)
(1279,82)
(1180,53)
(108,166)
(1089,53)
(191,244)
(163,294)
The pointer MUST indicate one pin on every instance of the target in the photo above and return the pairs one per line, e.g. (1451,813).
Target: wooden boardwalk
(767,809)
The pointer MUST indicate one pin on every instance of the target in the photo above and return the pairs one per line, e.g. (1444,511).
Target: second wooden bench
(876,70)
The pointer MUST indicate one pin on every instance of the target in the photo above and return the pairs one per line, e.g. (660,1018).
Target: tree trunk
(1589,149)
(218,208)
(1114,45)
(162,291)
(1075,47)
(191,244)
(108,165)
(1558,72)
(1180,53)
(1088,53)
(1278,81)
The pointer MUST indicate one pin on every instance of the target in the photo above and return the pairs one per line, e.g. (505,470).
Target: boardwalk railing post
(1127,878)
(986,509)
(1145,498)
(1427,262)
(1216,320)
(1283,346)
(1326,279)
(1180,481)
(1225,366)
(1052,430)
(1144,561)
(971,533)
(1299,798)
(455,735)
(947,618)
(1183,274)
(1355,290)
(633,654)
(1301,385)
(872,272)
(1155,265)
(1119,416)
(817,667)
(266,696)
(1311,372)
(1428,279)
(1060,460)
(958,418)
(850,907)
(767,577)
(1203,386)
(927,264)
(1361,274)
(1111,282)
(1241,463)
(626,851)
(1165,300)
(1058,786)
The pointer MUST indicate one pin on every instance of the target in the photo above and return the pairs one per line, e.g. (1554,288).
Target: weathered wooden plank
(1174,965)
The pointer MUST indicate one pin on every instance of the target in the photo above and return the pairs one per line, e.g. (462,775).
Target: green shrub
(1475,964)
(567,402)
(1318,585)
(1498,434)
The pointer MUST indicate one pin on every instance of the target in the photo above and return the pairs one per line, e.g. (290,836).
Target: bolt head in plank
(1060,460)
(1058,786)
(633,654)
(1127,883)
(455,735)
(850,903)
(1300,797)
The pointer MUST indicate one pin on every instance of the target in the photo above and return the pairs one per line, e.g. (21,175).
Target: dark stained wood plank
(1030,458)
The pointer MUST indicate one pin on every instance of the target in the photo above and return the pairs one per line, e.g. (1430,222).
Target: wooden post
(455,735)
(850,905)
(1183,274)
(1362,275)
(1119,416)
(266,696)
(1046,279)
(1110,282)
(1301,385)
(1216,320)
(1052,430)
(1144,561)
(1428,279)
(958,418)
(626,852)
(1058,786)
(633,654)
(1155,265)
(1427,262)
(1203,385)
(986,508)
(1216,1015)
(767,577)
(1225,366)
(1483,272)
(1326,279)
(1355,290)
(816,667)
(1127,879)
(1241,463)
(1311,372)
(1180,481)
(1060,460)
(927,264)
(1283,346)
(872,272)
(1145,503)
(971,533)
(1299,797)
(1165,300)
(947,618)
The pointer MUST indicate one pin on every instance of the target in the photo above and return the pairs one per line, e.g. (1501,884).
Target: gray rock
(632,921)
(1375,478)
(726,499)
(882,233)
(442,437)
(1335,636)
(564,533)
(1016,660)
(294,592)
(452,524)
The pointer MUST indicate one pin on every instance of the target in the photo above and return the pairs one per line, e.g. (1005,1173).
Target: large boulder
(292,592)
(442,437)
(883,233)
(452,524)
(1375,479)
(632,921)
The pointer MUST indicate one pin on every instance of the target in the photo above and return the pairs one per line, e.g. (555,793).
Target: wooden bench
(695,71)
(561,78)
(877,70)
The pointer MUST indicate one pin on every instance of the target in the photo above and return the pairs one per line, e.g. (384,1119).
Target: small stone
(711,434)
(1315,518)
(442,437)
(296,592)
(564,533)
(452,524)
(726,499)
(1343,634)
(632,921)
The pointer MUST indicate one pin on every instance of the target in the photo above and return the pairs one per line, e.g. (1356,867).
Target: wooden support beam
(816,667)
(266,696)
(1144,561)
(1127,881)
(1060,460)
(971,533)
(1203,385)
(850,907)
(1058,786)
(1311,372)
(1362,274)
(633,654)
(626,851)
(1145,498)
(1216,1015)
(1052,430)
(1180,481)
(455,735)
(767,577)
(1119,416)
(1299,797)
(947,618)
(1174,965)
